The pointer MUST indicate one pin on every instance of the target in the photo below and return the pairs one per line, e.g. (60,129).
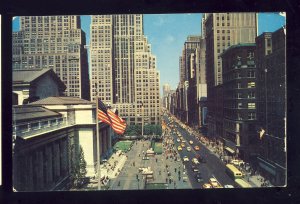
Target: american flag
(108,116)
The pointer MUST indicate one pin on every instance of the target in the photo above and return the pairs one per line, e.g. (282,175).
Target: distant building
(34,84)
(36,128)
(271,105)
(55,42)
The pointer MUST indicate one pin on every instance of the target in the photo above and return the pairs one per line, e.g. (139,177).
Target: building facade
(123,67)
(271,105)
(47,137)
(55,42)
(221,31)
(239,99)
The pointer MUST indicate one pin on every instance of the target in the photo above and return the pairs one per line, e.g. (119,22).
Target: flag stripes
(109,117)
(103,117)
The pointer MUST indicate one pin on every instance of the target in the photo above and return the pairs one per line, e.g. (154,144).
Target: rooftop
(27,76)
(27,113)
(63,100)
(238,46)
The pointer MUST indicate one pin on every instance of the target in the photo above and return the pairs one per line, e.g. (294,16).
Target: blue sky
(167,33)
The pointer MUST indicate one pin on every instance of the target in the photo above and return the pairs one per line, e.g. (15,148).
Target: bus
(242,184)
(233,172)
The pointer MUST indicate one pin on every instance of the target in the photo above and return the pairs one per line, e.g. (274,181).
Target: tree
(78,166)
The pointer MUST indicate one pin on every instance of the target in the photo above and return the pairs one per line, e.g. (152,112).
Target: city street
(213,166)
(163,168)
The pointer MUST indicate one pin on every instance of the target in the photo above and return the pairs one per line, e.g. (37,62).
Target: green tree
(78,165)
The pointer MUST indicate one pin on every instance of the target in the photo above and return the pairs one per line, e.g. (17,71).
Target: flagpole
(98,145)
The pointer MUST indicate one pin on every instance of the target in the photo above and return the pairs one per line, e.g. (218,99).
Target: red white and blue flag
(108,116)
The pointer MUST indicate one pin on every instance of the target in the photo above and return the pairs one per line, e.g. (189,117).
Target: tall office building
(55,42)
(271,105)
(123,68)
(221,31)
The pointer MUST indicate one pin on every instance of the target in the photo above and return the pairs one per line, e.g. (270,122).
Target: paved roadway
(213,166)
(127,179)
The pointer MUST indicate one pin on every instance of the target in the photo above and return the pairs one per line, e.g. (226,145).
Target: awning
(230,150)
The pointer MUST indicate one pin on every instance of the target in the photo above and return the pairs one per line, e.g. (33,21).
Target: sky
(167,33)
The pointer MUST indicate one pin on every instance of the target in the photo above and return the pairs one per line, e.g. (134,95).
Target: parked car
(228,186)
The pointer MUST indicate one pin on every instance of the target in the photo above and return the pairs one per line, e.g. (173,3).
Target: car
(186,159)
(237,162)
(188,149)
(207,185)
(198,177)
(179,148)
(184,178)
(191,142)
(194,168)
(213,182)
(182,145)
(228,186)
(195,161)
(178,140)
(197,148)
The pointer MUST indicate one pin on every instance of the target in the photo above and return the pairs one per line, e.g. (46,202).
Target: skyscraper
(123,68)
(55,42)
(221,31)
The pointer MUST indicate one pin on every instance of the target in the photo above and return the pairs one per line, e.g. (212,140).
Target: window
(251,94)
(251,84)
(240,105)
(251,105)
(251,116)
(251,74)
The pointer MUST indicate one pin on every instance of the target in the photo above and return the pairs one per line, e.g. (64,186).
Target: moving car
(195,169)
(178,140)
(186,159)
(179,148)
(197,148)
(191,142)
(182,144)
(228,186)
(188,149)
(213,182)
(195,161)
(198,177)
(207,185)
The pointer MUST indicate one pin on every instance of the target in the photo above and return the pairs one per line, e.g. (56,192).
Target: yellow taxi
(182,144)
(207,185)
(179,148)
